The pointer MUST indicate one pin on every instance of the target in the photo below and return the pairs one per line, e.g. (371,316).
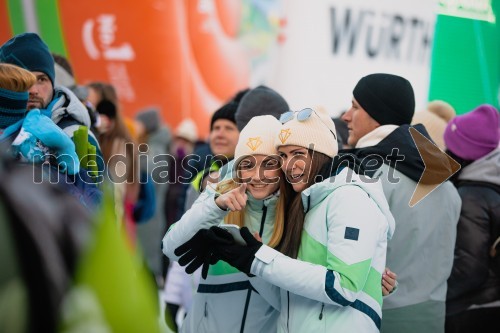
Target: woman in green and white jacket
(335,239)
(228,300)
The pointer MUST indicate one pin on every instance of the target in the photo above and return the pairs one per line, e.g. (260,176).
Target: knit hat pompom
(28,51)
(434,125)
(316,132)
(259,101)
(442,109)
(387,98)
(475,134)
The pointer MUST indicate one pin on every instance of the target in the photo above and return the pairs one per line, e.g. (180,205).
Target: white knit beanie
(314,132)
(257,137)
(187,129)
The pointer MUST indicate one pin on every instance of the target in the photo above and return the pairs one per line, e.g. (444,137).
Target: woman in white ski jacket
(335,239)
(228,300)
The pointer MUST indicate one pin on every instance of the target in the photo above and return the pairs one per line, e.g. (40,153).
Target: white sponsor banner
(331,44)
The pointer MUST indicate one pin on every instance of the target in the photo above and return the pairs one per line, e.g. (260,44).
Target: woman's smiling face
(296,165)
(262,173)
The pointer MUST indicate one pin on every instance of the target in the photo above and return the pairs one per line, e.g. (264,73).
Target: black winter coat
(473,279)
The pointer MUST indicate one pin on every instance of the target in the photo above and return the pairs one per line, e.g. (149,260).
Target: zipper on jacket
(206,312)
(247,302)
(288,312)
(321,314)
(263,220)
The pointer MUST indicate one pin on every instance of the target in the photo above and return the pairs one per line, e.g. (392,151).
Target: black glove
(199,250)
(238,256)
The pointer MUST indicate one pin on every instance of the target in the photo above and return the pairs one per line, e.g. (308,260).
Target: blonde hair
(238,217)
(15,78)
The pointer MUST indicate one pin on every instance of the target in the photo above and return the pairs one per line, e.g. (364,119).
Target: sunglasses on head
(303,115)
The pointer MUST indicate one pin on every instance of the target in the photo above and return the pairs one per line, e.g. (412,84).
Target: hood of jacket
(65,103)
(316,193)
(485,169)
(410,161)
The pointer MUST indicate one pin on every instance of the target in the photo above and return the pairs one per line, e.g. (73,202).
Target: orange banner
(175,54)
(5,30)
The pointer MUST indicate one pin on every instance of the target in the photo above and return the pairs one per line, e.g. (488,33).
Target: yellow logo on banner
(254,143)
(284,135)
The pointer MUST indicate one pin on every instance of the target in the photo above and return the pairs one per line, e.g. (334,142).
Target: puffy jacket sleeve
(203,214)
(267,291)
(355,227)
(470,266)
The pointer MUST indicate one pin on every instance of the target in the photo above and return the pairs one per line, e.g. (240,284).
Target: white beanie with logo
(316,132)
(257,137)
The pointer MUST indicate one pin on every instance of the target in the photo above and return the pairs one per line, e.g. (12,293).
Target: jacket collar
(258,205)
(65,103)
(315,194)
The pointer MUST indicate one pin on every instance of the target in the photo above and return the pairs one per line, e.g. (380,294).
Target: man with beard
(28,51)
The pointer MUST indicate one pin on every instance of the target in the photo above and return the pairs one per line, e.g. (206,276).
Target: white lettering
(119,78)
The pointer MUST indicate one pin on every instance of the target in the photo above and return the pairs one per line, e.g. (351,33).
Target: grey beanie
(150,118)
(260,101)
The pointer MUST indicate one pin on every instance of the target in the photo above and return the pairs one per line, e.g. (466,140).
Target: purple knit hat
(475,134)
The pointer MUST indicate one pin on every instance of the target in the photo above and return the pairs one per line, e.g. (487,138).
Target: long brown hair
(105,91)
(237,217)
(117,132)
(295,214)
(116,136)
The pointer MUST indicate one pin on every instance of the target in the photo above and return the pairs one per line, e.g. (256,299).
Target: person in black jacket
(473,298)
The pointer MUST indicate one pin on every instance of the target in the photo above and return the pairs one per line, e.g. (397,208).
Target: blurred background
(186,57)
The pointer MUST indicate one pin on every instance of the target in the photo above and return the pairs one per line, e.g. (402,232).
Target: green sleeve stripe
(373,286)
(353,277)
(311,250)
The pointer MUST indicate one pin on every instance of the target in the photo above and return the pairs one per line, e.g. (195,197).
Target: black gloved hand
(238,256)
(198,250)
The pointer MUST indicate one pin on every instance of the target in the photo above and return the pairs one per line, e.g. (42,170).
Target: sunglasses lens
(304,114)
(285,117)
